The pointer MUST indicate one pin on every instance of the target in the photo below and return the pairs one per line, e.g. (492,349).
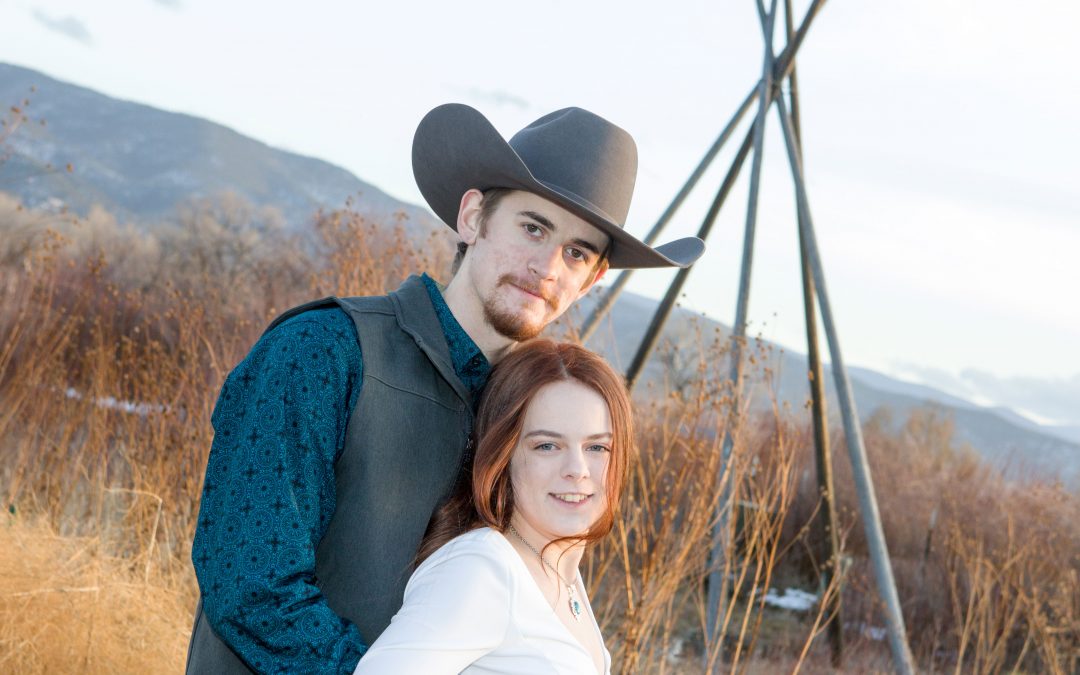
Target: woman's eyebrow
(543,432)
(555,434)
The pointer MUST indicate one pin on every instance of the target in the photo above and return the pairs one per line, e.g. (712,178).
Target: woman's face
(560,461)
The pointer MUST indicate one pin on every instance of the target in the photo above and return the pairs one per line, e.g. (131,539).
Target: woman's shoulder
(482,542)
(474,563)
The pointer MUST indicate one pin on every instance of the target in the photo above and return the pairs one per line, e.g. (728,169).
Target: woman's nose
(575,465)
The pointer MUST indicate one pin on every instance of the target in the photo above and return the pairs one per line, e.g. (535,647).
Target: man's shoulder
(353,318)
(317,321)
(314,351)
(319,329)
(415,290)
(378,304)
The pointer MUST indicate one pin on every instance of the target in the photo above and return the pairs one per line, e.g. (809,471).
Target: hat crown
(582,155)
(572,157)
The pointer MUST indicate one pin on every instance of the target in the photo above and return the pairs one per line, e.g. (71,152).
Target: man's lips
(529,289)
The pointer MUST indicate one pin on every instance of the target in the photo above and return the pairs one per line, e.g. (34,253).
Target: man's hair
(484,494)
(488,204)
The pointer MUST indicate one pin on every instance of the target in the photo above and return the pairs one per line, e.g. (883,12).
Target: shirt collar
(470,364)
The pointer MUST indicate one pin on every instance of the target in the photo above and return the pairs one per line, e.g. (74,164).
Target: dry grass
(68,604)
(113,345)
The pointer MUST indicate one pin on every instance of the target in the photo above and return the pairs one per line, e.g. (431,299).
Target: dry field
(114,343)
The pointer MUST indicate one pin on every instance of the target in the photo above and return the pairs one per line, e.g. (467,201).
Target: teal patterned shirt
(269,492)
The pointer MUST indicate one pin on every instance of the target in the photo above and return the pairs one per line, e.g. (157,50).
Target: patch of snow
(675,653)
(867,631)
(795,599)
(113,403)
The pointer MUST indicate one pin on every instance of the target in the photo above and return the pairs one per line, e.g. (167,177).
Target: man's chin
(513,326)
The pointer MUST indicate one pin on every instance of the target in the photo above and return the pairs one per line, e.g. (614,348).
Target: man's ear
(468,219)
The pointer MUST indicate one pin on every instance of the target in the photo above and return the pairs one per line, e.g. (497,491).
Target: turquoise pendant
(575,606)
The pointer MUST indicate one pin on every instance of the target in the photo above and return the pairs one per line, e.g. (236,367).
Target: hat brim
(457,149)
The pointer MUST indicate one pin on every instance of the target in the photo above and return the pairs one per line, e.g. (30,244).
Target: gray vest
(403,451)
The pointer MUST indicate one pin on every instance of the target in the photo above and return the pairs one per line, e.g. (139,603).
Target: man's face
(533,260)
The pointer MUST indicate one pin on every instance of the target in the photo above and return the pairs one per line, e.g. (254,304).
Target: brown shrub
(114,342)
(986,568)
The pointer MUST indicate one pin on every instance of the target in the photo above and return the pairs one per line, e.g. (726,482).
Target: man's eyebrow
(539,218)
(587,245)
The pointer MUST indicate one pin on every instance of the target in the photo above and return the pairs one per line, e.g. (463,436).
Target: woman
(498,588)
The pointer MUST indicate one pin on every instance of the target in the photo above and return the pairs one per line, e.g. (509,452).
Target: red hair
(485,495)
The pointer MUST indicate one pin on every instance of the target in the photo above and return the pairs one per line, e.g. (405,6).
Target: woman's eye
(599,448)
(545,446)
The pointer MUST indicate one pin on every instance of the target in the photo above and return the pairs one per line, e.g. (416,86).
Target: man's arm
(269,495)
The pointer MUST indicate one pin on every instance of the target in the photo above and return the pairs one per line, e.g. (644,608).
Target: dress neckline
(580,585)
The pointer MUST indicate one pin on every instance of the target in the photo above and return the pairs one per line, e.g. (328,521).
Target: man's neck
(468,311)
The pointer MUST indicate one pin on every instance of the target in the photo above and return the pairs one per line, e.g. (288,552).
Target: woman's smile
(571,498)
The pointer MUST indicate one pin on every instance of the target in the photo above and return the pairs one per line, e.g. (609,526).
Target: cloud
(172,4)
(68,26)
(497,97)
(1057,399)
(1052,400)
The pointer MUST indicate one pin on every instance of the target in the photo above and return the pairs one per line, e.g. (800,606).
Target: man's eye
(576,254)
(533,229)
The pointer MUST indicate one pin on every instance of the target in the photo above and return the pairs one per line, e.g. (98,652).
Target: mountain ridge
(141,162)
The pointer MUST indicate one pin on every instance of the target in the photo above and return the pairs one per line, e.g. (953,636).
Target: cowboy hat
(571,157)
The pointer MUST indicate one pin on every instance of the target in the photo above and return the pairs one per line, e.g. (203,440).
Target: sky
(940,142)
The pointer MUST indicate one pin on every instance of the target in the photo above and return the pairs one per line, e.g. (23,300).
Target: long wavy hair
(484,495)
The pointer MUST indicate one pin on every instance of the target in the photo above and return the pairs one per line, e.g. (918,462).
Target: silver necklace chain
(575,605)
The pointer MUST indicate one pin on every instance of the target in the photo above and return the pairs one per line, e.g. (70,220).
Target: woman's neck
(564,555)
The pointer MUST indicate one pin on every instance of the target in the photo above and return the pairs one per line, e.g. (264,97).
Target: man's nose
(544,262)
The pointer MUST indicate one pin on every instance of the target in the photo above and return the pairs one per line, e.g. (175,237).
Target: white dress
(474,607)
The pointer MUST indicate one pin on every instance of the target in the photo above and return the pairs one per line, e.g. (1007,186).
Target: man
(346,425)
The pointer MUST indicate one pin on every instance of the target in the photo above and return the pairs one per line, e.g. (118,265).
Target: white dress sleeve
(456,609)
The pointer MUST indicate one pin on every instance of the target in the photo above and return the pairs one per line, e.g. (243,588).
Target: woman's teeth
(571,498)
